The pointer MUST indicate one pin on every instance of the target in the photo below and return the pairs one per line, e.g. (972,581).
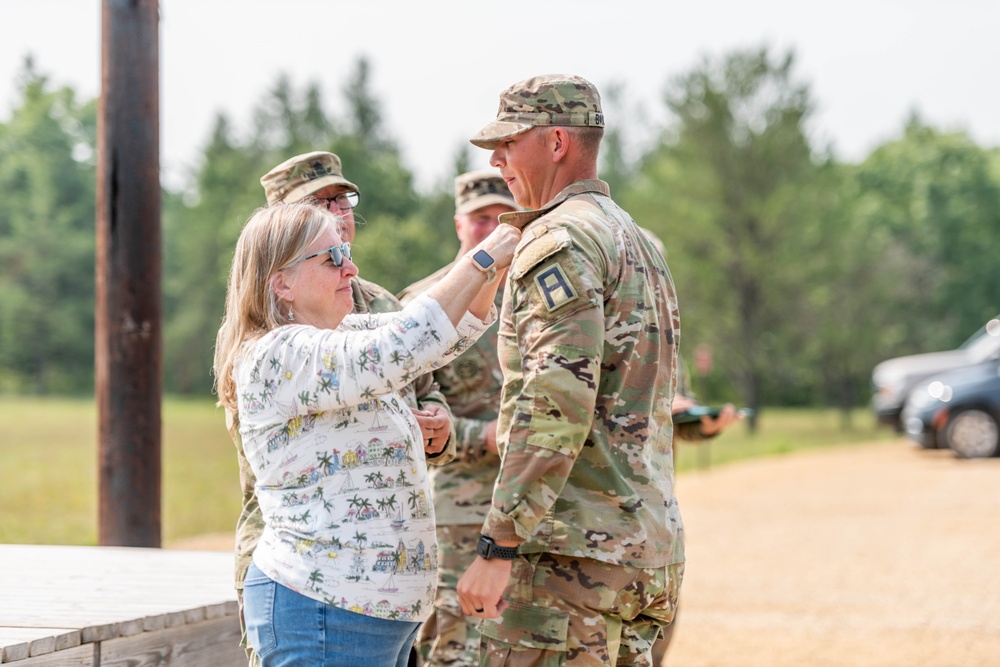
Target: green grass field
(48,454)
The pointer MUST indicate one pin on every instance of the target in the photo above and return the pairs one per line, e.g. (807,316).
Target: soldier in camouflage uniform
(463,489)
(318,176)
(583,505)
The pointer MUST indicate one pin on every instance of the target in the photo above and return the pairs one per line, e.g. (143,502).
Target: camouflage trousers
(448,637)
(565,610)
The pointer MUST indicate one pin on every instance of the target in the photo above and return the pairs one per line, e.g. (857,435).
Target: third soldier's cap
(552,99)
(476,189)
(303,175)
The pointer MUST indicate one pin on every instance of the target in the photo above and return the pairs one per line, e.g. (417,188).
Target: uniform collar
(521,219)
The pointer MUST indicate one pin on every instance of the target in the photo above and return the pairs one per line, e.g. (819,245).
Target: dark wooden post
(129,303)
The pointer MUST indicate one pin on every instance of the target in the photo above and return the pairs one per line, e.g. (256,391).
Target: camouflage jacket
(368,298)
(588,347)
(463,489)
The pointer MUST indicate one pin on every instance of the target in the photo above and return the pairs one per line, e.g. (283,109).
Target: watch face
(483,259)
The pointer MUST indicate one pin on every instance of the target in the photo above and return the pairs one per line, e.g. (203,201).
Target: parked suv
(894,379)
(959,409)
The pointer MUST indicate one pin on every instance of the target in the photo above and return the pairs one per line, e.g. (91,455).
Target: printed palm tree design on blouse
(300,518)
(327,462)
(388,506)
(375,479)
(360,539)
(369,358)
(361,509)
(318,495)
(315,579)
(418,503)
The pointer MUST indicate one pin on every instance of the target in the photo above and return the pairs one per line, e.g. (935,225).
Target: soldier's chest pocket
(473,375)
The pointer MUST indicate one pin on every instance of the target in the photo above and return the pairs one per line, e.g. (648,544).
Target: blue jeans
(288,628)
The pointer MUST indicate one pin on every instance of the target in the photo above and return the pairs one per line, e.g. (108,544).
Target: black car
(958,409)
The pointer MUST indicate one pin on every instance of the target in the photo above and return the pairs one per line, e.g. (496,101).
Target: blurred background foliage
(796,271)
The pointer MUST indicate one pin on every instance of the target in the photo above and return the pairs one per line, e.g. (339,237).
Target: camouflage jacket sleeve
(552,327)
(250,524)
(470,435)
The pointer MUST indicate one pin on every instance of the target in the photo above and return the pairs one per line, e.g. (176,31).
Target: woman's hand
(435,426)
(471,286)
(500,244)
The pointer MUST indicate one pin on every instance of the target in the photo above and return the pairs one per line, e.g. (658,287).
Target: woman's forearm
(464,289)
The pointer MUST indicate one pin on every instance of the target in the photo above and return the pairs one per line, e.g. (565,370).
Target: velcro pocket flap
(546,243)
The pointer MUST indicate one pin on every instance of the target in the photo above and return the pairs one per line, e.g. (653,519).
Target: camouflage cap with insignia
(552,99)
(303,175)
(476,189)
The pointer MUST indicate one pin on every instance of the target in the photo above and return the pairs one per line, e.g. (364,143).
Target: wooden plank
(105,590)
(79,656)
(20,643)
(213,642)
(55,598)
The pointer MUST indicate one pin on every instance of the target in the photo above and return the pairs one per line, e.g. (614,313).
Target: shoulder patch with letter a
(555,289)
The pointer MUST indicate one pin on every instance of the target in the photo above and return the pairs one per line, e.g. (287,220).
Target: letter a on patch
(555,289)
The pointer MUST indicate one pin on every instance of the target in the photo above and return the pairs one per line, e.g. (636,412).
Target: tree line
(796,271)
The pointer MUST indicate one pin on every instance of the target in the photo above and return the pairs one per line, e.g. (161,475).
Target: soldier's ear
(559,140)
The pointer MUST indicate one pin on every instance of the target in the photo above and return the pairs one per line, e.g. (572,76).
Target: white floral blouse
(339,459)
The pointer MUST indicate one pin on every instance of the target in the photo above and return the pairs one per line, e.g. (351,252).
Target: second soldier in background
(463,489)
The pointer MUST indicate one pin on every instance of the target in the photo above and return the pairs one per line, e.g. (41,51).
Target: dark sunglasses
(337,254)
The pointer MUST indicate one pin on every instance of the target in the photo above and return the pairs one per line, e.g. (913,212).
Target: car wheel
(972,434)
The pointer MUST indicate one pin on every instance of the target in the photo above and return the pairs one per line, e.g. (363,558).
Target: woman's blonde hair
(271,240)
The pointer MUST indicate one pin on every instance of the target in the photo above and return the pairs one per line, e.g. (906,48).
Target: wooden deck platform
(70,606)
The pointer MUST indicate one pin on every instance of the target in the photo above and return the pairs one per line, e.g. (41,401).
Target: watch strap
(488,549)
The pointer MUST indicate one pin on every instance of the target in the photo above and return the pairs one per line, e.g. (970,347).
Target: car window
(985,343)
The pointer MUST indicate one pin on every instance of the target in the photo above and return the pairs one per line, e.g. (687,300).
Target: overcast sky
(438,66)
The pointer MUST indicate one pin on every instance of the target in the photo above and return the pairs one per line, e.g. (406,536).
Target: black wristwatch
(484,262)
(488,549)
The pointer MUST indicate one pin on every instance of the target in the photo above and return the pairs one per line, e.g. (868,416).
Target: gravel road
(875,555)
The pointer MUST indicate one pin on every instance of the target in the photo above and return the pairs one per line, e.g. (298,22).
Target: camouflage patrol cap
(552,99)
(476,189)
(303,175)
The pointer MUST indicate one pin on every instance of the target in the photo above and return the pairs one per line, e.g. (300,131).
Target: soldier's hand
(727,417)
(480,590)
(491,438)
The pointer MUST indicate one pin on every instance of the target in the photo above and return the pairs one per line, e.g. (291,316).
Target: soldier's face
(473,227)
(525,165)
(347,213)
